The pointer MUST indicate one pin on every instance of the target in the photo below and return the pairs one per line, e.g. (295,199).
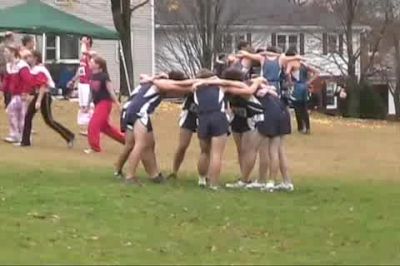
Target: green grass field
(62,206)
(87,217)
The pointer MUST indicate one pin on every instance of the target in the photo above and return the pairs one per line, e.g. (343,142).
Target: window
(69,48)
(332,43)
(282,42)
(286,41)
(51,48)
(292,41)
(62,48)
(242,37)
(230,41)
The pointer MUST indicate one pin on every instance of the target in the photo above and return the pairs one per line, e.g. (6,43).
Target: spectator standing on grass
(83,76)
(301,75)
(8,40)
(341,93)
(18,82)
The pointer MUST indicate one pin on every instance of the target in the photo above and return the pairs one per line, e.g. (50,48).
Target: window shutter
(301,43)
(273,39)
(325,43)
(341,44)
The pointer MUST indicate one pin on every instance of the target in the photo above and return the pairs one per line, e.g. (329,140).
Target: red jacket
(18,79)
(42,77)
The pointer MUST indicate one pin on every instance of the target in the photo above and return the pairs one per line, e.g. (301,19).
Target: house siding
(99,12)
(329,65)
(142,40)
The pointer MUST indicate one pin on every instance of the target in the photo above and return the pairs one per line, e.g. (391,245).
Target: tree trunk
(121,11)
(353,107)
(396,94)
(396,98)
(351,65)
(127,48)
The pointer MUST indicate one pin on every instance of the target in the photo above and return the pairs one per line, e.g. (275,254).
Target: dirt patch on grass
(338,148)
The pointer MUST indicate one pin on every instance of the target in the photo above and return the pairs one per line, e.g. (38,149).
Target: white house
(316,34)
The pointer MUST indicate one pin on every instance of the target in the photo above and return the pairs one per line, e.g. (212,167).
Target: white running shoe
(237,184)
(213,188)
(202,182)
(255,185)
(88,151)
(289,187)
(10,139)
(269,187)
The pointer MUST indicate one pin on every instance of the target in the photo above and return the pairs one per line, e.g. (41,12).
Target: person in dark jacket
(301,76)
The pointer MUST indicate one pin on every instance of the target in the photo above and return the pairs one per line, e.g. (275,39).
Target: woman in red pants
(103,96)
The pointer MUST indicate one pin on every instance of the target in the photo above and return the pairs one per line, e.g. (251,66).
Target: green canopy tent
(36,17)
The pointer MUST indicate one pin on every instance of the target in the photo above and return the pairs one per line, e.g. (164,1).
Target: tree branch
(135,7)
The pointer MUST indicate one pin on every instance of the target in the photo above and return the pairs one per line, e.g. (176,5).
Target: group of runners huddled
(233,100)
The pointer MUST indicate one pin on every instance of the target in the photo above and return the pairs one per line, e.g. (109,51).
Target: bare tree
(122,11)
(193,33)
(393,77)
(350,14)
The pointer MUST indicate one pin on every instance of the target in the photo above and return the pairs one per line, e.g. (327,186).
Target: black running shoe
(118,175)
(158,179)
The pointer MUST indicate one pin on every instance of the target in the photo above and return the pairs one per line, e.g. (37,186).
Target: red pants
(99,123)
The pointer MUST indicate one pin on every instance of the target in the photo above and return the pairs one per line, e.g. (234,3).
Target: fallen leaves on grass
(43,216)
(167,106)
(354,123)
(37,215)
(128,244)
(94,238)
(213,248)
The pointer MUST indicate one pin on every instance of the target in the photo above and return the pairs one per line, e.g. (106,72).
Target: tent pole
(125,67)
(44,48)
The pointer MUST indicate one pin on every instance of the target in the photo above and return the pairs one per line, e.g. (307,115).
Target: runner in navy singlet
(139,143)
(213,124)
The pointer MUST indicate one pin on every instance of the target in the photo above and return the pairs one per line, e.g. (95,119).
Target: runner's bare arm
(284,59)
(254,57)
(111,91)
(268,53)
(218,82)
(173,85)
(39,99)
